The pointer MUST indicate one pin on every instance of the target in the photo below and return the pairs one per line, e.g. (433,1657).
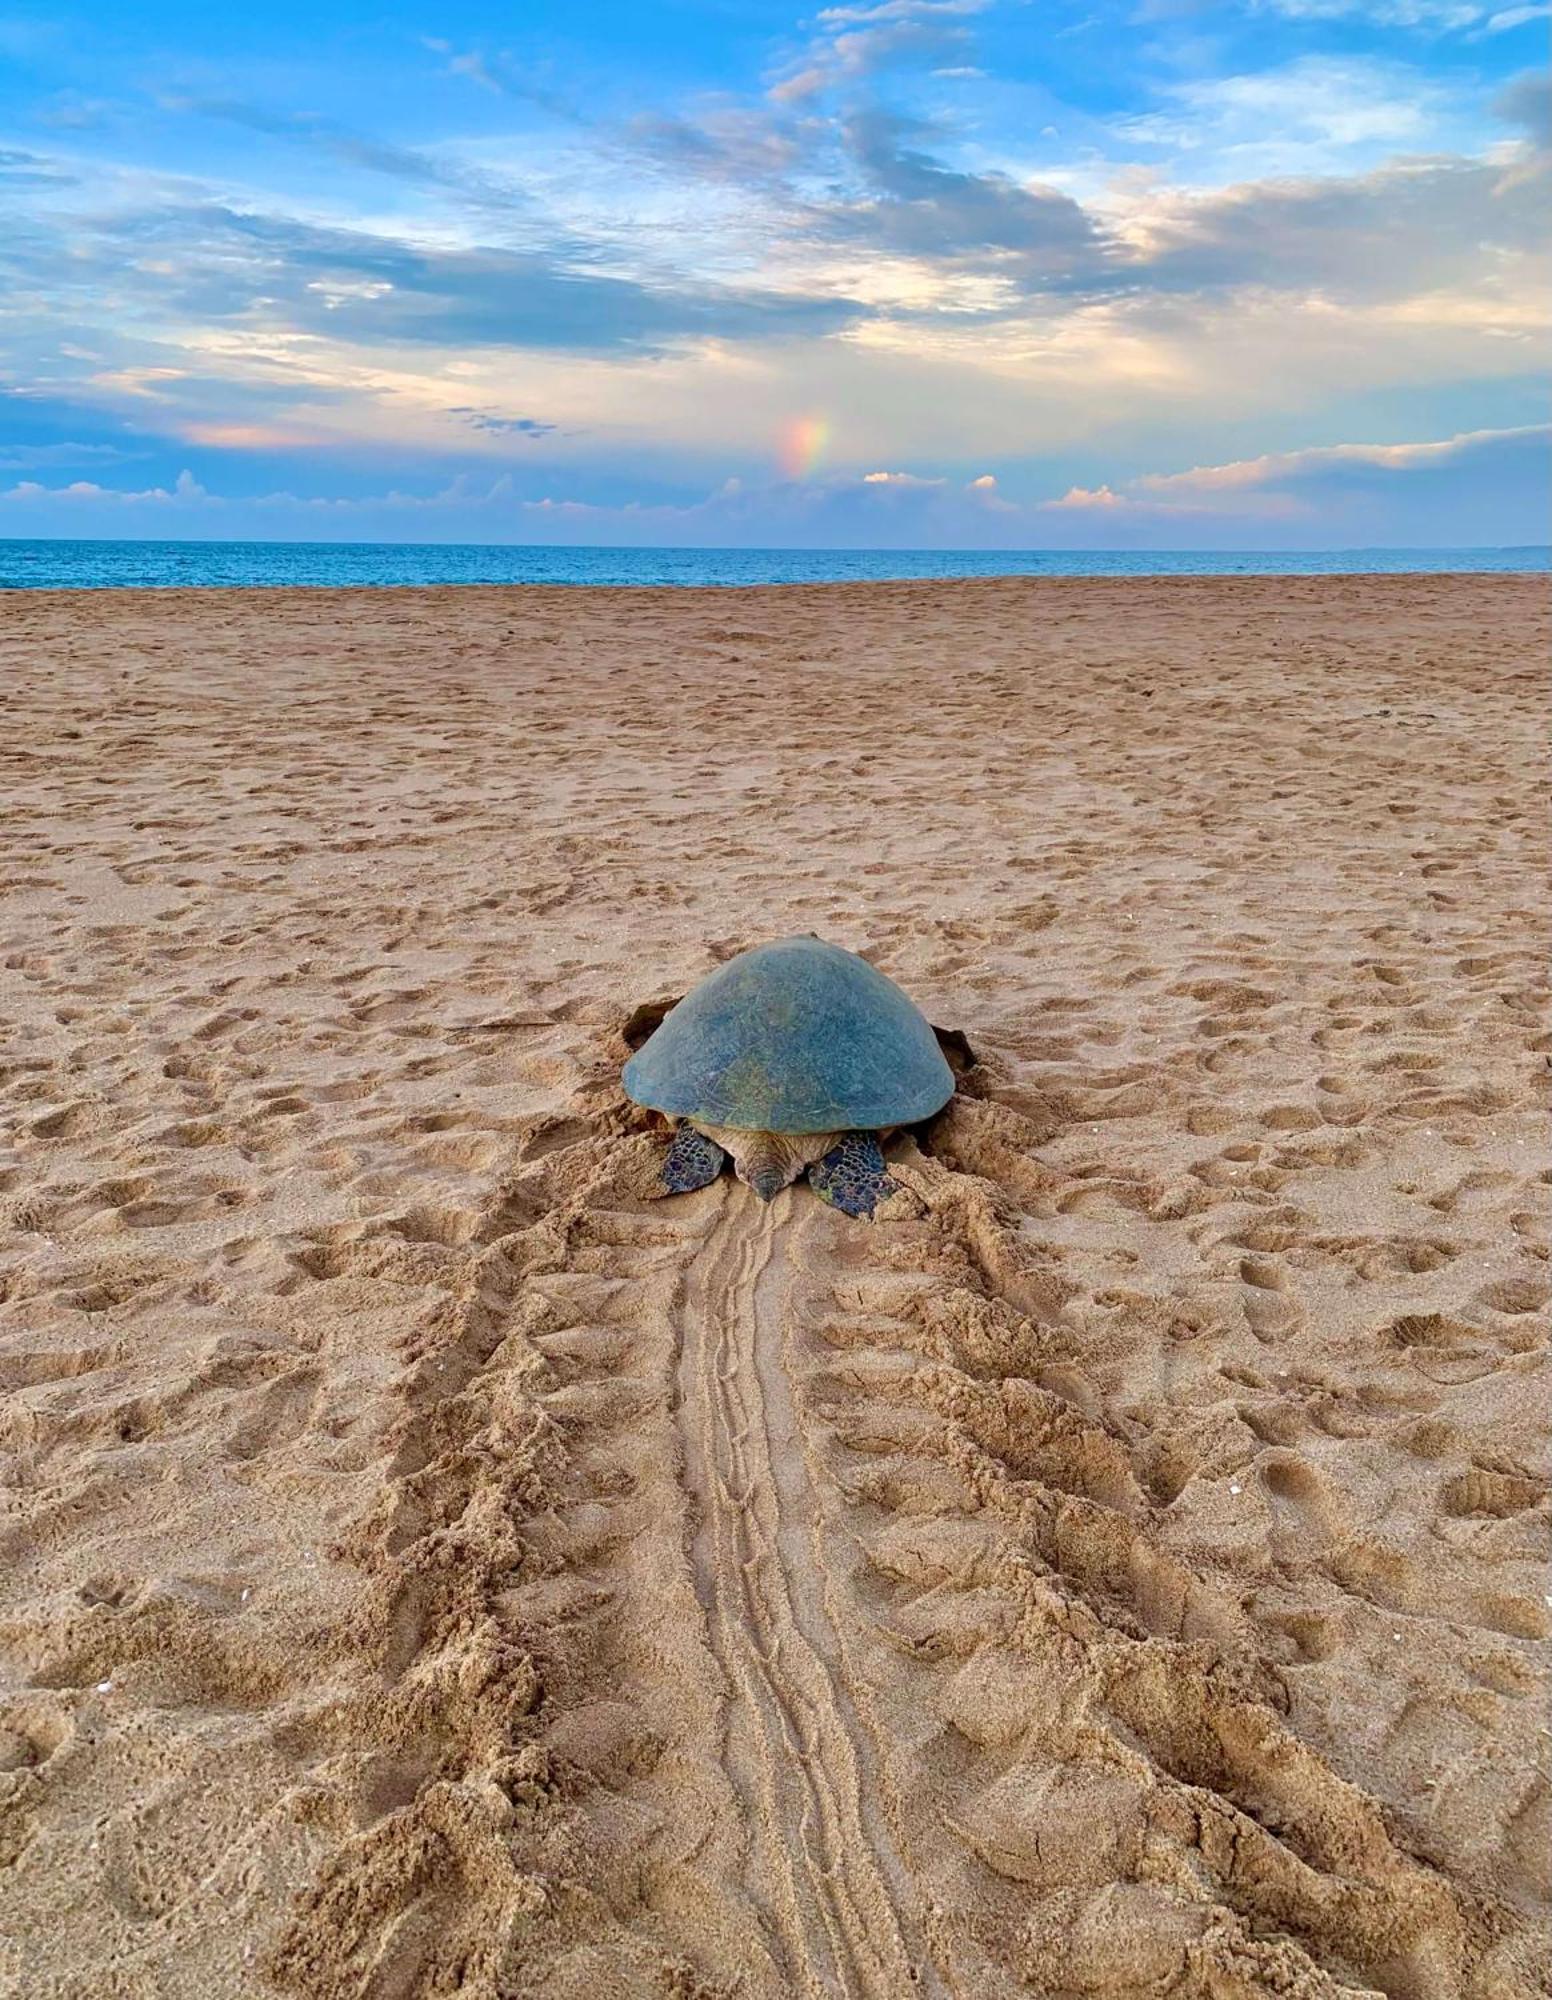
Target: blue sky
(969,273)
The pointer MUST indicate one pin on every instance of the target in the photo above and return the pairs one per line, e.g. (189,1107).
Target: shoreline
(1009,579)
(260,565)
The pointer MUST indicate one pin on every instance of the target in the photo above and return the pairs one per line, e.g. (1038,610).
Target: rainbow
(800,446)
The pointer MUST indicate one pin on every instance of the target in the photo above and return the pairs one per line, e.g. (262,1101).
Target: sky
(1162,274)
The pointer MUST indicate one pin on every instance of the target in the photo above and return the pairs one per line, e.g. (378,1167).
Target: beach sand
(431,1567)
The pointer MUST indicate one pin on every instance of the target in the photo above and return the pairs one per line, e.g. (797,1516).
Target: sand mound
(434,1567)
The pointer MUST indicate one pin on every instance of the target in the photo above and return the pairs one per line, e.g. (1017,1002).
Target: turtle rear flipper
(852,1176)
(692,1161)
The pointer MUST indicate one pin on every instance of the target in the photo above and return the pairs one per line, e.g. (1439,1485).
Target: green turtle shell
(798,1036)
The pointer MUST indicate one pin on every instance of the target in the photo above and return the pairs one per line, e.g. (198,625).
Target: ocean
(64,565)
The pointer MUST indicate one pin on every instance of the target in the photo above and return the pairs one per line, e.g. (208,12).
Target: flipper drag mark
(693,1161)
(852,1176)
(838,1909)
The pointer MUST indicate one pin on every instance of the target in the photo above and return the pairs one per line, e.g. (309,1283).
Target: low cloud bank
(1481,488)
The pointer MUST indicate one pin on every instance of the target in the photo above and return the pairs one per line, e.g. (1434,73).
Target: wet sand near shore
(432,1566)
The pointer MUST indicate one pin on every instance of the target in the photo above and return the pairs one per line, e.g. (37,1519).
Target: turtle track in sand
(794,1618)
(821,1861)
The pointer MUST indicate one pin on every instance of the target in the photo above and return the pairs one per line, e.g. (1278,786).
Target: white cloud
(1318,115)
(1514,17)
(184,488)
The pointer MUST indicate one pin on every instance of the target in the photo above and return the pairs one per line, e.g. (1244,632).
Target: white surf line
(819,1863)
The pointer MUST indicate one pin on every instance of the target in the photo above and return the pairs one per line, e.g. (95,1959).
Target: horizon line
(779,548)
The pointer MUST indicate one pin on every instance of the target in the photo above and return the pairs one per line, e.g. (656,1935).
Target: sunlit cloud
(1083,497)
(248,437)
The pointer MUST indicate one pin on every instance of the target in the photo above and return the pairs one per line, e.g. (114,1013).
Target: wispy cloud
(1507,18)
(214,263)
(482,420)
(404,163)
(35,457)
(1428,17)
(20,170)
(916,205)
(500,73)
(1434,16)
(852,43)
(1314,115)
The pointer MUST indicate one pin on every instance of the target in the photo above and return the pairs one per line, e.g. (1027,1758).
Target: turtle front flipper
(852,1176)
(693,1161)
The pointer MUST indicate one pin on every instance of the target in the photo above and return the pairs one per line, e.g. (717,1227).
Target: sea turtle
(791,1055)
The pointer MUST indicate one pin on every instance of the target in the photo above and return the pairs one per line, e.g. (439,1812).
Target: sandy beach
(433,1567)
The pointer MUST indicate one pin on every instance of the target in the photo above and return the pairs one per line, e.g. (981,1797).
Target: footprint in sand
(1303,1507)
(1267,1299)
